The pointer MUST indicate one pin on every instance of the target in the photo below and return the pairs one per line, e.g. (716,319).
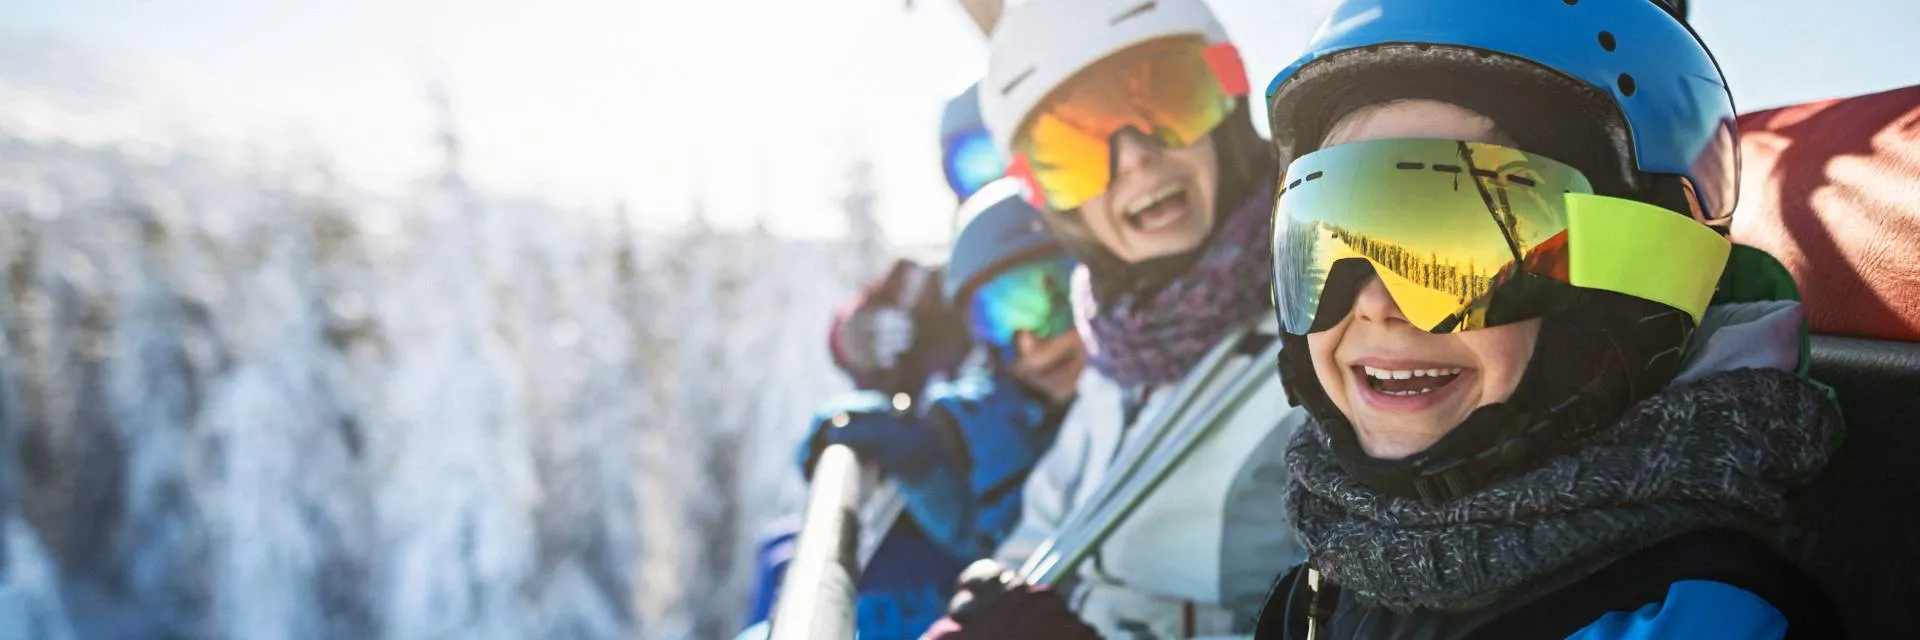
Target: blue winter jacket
(1693,609)
(903,590)
(959,457)
(1714,583)
(997,430)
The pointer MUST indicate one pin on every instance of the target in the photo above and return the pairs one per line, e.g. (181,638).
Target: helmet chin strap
(1633,347)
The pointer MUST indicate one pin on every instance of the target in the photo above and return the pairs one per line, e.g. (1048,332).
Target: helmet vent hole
(1626,84)
(1018,79)
(1606,40)
(1135,12)
(1571,2)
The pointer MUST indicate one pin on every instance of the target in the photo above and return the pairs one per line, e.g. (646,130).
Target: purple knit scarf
(1151,338)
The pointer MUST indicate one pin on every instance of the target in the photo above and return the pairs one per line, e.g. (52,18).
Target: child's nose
(1374,304)
(1025,342)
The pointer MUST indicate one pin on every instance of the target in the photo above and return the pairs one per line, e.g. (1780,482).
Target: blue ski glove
(1005,428)
(920,456)
(973,502)
(889,437)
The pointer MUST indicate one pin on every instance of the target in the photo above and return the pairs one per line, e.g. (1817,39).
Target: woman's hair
(1245,162)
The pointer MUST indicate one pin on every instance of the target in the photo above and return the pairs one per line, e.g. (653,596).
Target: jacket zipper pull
(1313,604)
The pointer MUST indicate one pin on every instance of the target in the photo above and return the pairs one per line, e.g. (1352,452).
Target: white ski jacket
(1199,554)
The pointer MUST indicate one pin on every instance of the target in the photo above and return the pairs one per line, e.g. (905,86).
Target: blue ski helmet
(967,154)
(1665,109)
(1621,90)
(1000,230)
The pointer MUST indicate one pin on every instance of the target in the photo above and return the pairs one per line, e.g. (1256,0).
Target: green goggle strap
(1644,251)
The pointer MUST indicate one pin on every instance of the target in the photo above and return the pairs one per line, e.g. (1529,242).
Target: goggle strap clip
(1228,69)
(1448,483)
(1022,170)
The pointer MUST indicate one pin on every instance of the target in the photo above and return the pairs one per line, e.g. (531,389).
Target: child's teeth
(1384,374)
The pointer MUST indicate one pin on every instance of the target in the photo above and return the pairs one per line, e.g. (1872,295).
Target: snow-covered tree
(251,401)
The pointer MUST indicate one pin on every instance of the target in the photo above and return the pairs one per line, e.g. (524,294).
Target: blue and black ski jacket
(1714,583)
(967,451)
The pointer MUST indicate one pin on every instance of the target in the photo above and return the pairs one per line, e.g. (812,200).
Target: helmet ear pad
(1613,348)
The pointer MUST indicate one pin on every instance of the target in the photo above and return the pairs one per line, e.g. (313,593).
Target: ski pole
(817,598)
(984,13)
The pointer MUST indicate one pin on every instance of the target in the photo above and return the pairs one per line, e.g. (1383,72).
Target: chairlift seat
(1832,189)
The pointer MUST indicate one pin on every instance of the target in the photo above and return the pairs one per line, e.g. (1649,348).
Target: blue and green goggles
(1031,297)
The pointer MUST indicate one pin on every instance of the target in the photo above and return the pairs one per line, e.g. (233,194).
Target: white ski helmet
(1040,45)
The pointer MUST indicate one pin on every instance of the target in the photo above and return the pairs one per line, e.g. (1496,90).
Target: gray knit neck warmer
(1718,452)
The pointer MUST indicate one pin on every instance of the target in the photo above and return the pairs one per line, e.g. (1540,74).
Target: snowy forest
(241,398)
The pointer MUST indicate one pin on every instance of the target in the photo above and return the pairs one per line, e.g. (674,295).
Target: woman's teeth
(1155,210)
(1409,382)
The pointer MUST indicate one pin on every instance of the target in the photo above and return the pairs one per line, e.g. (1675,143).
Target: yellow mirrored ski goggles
(1468,235)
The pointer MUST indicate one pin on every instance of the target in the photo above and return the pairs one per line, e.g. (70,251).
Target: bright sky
(756,105)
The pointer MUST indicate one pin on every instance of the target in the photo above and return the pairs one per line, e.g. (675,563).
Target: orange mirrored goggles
(1173,90)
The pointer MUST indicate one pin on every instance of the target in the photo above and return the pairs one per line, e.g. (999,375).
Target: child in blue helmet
(1549,398)
(961,454)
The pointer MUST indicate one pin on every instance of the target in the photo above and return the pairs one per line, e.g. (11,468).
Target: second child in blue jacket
(961,454)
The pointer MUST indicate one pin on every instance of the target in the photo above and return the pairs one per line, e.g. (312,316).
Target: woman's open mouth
(1159,211)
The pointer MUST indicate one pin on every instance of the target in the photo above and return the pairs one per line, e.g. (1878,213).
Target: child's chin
(1401,436)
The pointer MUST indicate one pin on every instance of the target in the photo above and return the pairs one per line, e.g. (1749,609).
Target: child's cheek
(1323,346)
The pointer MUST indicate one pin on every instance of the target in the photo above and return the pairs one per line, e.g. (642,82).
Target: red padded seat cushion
(1832,189)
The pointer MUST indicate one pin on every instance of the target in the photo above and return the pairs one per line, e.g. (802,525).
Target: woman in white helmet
(1127,122)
